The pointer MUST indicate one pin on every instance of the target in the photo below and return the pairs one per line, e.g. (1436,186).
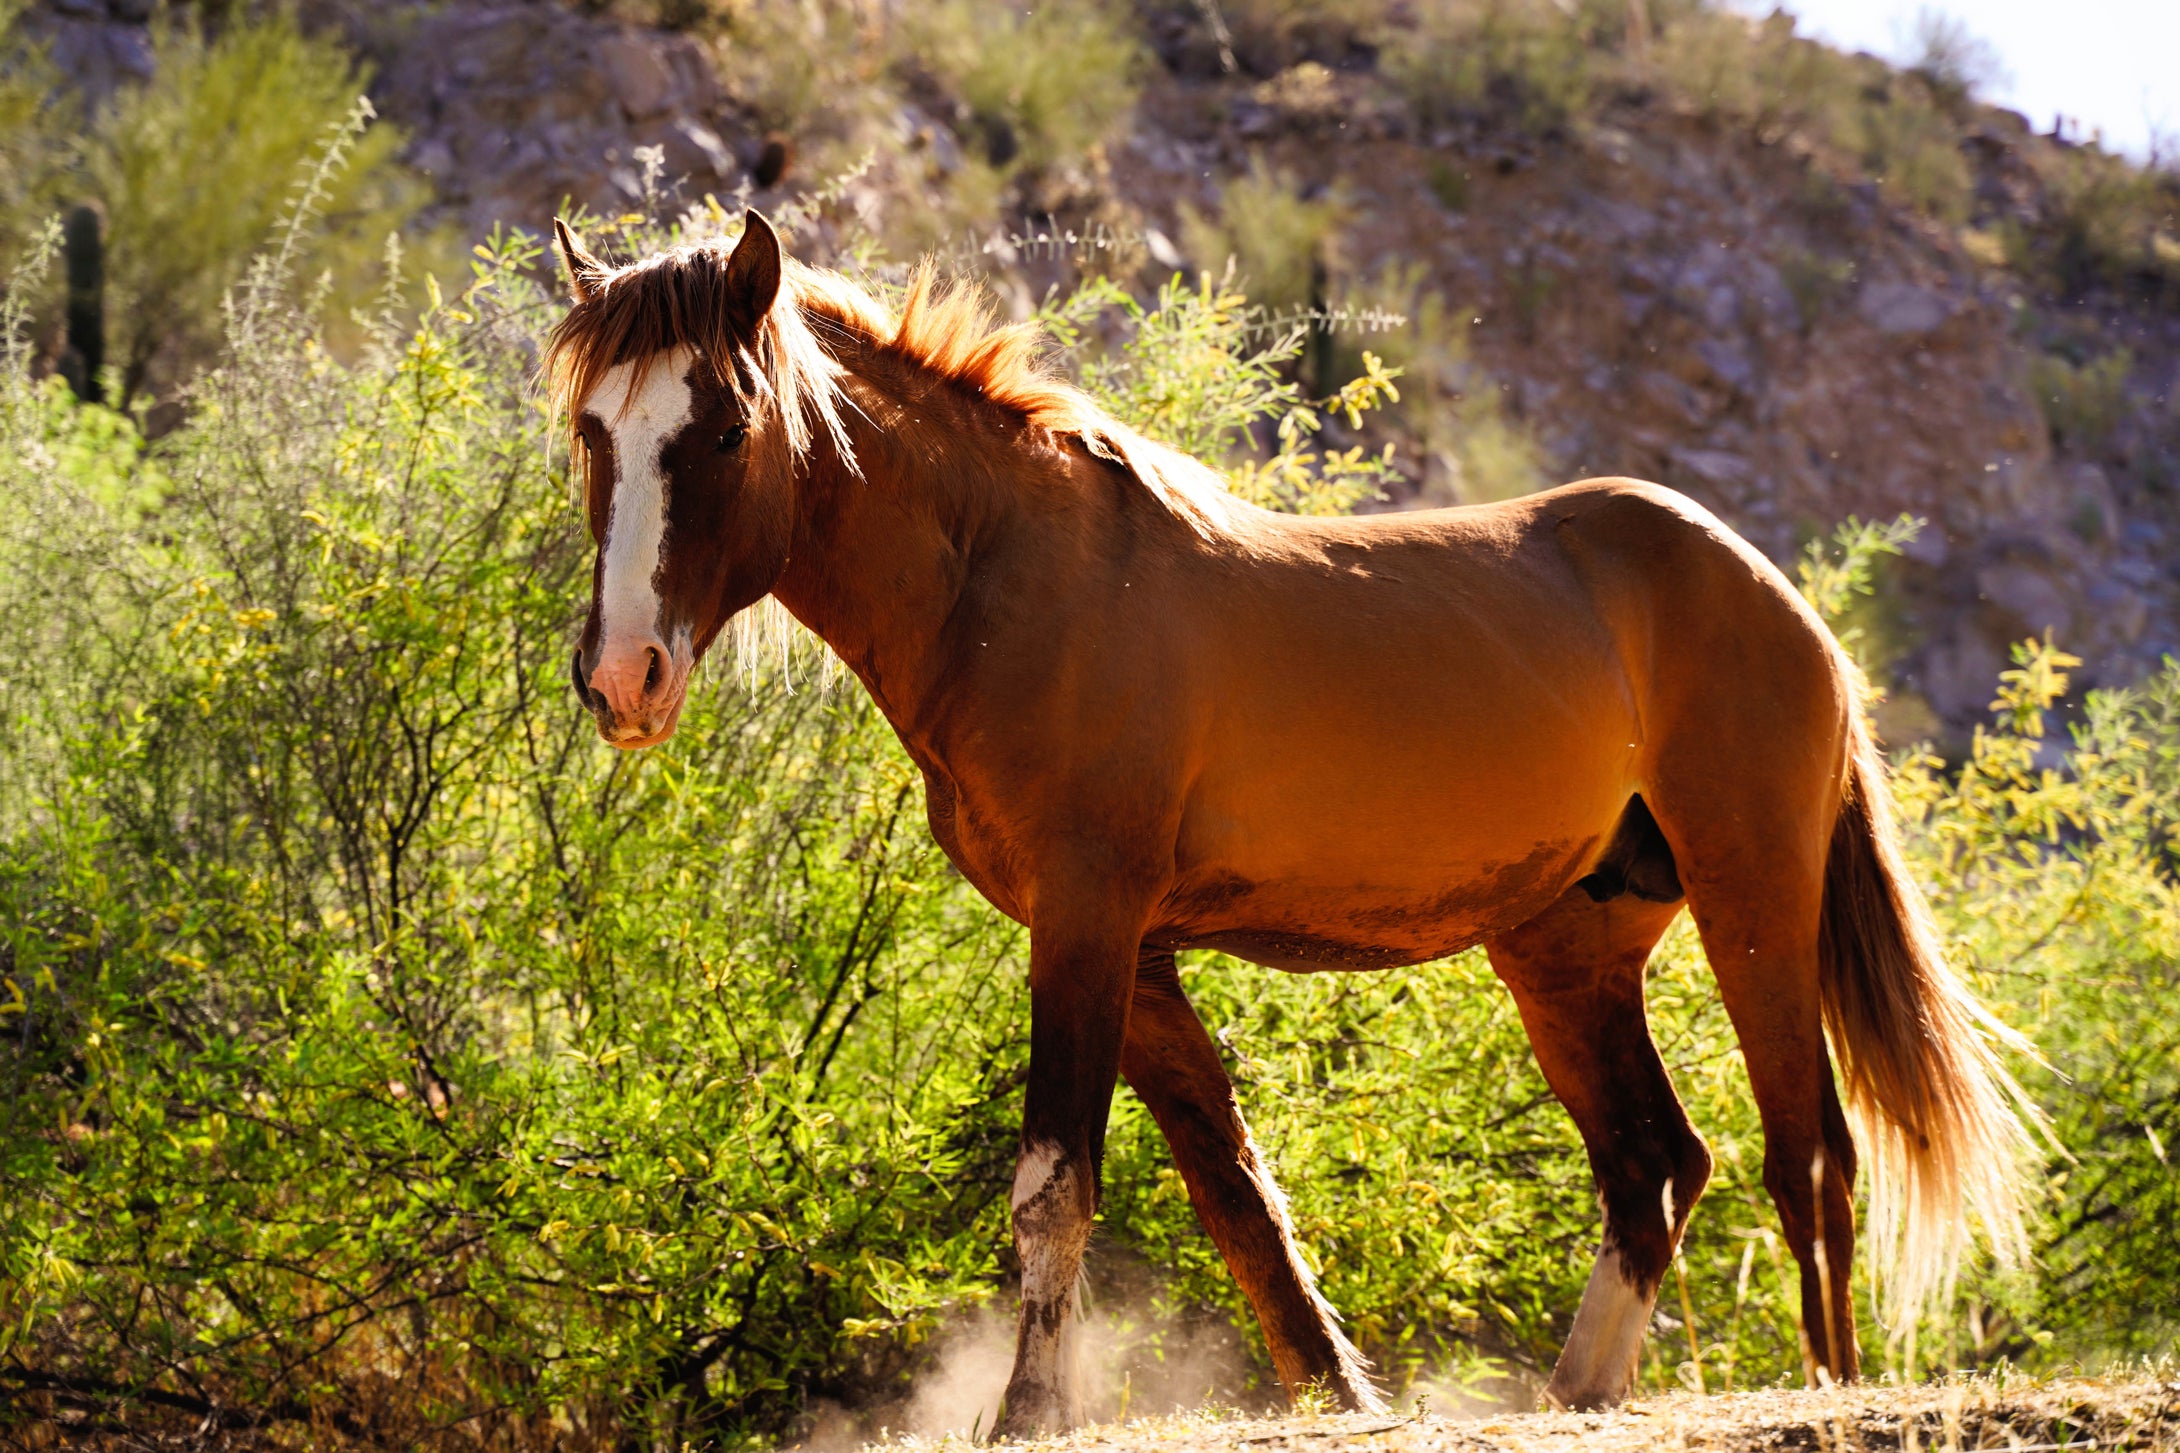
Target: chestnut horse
(1152,717)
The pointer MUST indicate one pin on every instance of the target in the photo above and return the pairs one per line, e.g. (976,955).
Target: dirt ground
(2018,1415)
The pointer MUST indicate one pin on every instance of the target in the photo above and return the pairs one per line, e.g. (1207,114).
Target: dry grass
(2015,1414)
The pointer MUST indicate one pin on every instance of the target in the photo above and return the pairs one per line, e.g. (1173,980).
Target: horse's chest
(967,838)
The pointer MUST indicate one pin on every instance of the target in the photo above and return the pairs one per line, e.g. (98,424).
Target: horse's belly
(1387,855)
(1315,920)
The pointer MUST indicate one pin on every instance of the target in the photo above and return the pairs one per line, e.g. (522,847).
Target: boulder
(1726,475)
(2024,598)
(641,80)
(695,151)
(1903,308)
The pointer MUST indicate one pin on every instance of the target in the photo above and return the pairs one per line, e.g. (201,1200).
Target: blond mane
(802,354)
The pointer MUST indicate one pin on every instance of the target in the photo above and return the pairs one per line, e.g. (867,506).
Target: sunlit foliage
(382,1051)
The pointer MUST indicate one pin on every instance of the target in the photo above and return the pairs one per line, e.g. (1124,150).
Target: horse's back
(1544,618)
(1417,729)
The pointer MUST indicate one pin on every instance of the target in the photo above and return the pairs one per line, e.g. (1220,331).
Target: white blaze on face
(636,527)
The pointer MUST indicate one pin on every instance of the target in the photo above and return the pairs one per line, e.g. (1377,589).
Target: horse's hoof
(1031,1413)
(1581,1399)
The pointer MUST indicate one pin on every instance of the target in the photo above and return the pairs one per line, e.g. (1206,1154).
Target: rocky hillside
(1698,250)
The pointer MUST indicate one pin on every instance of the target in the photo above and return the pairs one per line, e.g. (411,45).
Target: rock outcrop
(513,108)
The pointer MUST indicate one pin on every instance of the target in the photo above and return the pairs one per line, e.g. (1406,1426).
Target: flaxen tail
(1938,1119)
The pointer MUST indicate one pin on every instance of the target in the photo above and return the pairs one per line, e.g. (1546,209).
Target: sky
(2106,64)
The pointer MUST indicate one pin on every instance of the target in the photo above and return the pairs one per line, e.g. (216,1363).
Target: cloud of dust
(1476,1386)
(1137,1362)
(1138,1356)
(959,1393)
(1134,1361)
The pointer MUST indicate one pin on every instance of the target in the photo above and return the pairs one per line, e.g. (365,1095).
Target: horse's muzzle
(636,704)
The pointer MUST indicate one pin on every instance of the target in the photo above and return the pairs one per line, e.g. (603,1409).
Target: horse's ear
(753,271)
(584,270)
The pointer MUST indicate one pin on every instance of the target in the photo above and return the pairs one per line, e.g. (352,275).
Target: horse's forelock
(638,313)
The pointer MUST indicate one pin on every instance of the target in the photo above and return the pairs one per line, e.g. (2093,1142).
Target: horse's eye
(732,439)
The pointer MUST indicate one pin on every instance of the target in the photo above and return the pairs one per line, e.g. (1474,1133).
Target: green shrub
(1467,447)
(2103,219)
(358,977)
(2082,403)
(1267,36)
(1862,117)
(1528,61)
(2060,888)
(1911,146)
(248,109)
(1818,284)
(1280,244)
(1952,60)
(1041,83)
(1207,373)
(1731,69)
(37,123)
(2108,222)
(1034,85)
(800,68)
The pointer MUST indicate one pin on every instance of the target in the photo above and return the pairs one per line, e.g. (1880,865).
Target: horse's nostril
(655,672)
(578,677)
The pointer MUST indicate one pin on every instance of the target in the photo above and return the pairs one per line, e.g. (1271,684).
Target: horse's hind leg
(1172,1065)
(1758,917)
(1576,972)
(1748,803)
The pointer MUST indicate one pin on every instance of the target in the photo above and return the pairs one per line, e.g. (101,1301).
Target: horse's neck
(880,561)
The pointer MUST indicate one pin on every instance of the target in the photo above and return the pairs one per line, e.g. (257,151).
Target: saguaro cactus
(1322,362)
(84,244)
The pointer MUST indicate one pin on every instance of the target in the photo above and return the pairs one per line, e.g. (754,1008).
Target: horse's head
(668,372)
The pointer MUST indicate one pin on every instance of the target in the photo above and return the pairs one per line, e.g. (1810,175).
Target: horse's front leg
(1082,974)
(1174,1066)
